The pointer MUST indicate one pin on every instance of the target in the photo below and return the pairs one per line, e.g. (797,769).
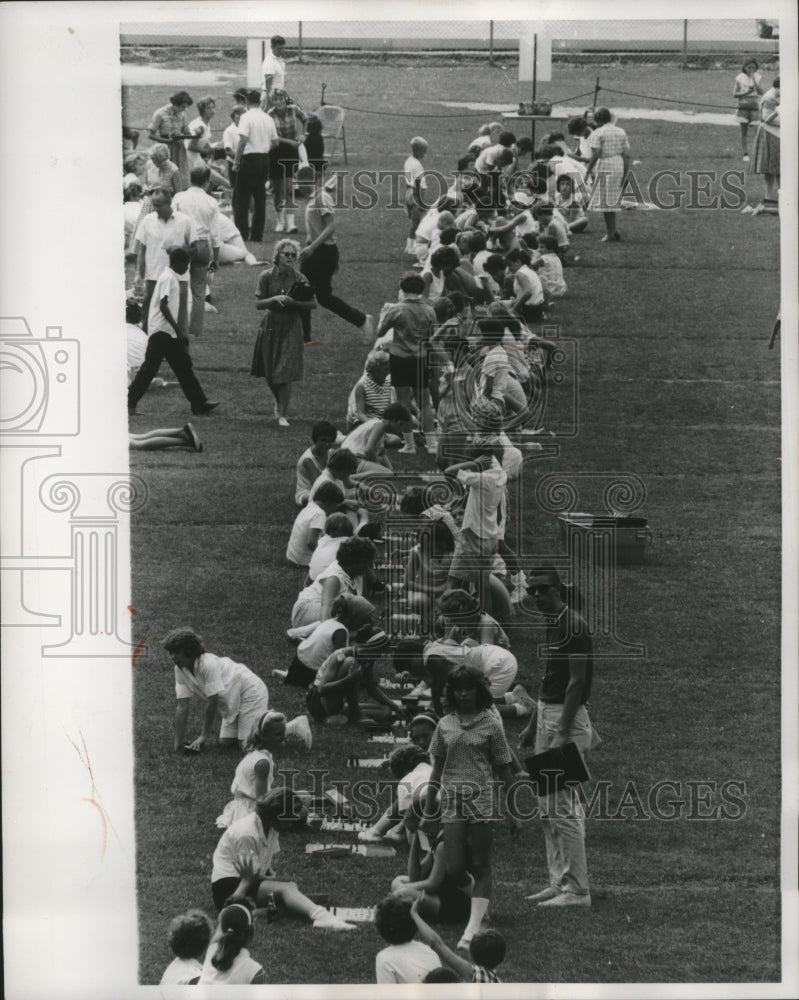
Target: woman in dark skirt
(278,357)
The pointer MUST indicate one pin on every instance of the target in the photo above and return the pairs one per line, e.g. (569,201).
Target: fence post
(684,44)
(490,43)
(299,42)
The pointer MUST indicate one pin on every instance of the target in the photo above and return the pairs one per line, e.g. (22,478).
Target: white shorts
(253,703)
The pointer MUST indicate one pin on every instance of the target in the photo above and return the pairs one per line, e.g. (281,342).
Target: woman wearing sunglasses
(285,295)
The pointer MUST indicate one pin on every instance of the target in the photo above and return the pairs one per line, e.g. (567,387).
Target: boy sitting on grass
(486,951)
(405,960)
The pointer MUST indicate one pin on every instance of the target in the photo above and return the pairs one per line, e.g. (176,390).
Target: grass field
(675,385)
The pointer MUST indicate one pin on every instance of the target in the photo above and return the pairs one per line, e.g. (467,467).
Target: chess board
(389,738)
(368,762)
(355,914)
(344,850)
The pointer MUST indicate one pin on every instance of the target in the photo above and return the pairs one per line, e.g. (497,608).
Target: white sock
(408,438)
(290,220)
(317,912)
(479,907)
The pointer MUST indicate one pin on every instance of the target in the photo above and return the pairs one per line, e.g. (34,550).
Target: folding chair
(332,118)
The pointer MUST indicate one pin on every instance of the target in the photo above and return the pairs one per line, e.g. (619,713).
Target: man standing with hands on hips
(562,717)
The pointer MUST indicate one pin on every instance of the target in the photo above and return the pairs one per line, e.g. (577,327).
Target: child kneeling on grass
(405,960)
(242,863)
(348,614)
(486,951)
(341,677)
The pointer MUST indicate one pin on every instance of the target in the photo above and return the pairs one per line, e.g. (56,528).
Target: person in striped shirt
(373,391)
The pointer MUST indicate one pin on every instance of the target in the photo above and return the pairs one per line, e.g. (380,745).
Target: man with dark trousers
(166,339)
(257,137)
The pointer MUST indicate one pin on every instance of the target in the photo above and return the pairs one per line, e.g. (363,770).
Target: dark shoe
(201,409)
(193,437)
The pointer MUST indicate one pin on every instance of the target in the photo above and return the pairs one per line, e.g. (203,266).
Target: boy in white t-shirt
(405,960)
(188,937)
(414,185)
(167,341)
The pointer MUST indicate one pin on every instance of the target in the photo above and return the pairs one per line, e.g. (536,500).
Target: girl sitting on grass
(242,864)
(228,961)
(411,765)
(256,771)
(337,527)
(339,681)
(465,619)
(571,205)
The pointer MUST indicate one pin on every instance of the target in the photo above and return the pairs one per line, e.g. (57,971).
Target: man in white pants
(562,717)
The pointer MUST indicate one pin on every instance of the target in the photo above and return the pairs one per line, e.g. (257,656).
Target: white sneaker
(370,837)
(465,941)
(396,836)
(280,226)
(282,422)
(330,922)
(521,697)
(300,730)
(406,450)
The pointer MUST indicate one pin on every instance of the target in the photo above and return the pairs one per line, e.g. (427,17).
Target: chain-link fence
(675,41)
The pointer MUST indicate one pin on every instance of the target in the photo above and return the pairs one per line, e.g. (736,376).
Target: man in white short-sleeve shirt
(273,70)
(257,137)
(158,232)
(203,210)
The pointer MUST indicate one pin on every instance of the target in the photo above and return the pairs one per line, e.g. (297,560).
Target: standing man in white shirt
(159,232)
(257,137)
(204,210)
(273,70)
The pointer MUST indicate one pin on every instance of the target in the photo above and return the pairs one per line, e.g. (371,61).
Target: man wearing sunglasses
(562,717)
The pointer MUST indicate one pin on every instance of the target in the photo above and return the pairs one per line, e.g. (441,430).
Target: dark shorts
(411,372)
(298,674)
(455,906)
(222,889)
(314,704)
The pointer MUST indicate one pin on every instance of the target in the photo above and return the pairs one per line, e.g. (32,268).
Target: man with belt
(160,231)
(257,137)
(204,210)
(562,717)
